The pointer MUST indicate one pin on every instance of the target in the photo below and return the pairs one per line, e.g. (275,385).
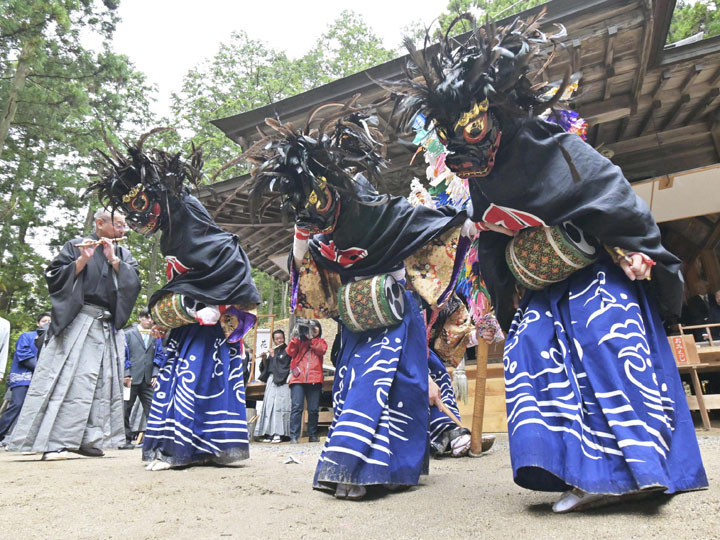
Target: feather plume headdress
(310,168)
(490,69)
(141,183)
(155,170)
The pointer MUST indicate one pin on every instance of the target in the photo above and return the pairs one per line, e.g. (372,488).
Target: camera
(303,328)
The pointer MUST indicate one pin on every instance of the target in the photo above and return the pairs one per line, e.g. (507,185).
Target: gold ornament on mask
(132,193)
(473,113)
(313,199)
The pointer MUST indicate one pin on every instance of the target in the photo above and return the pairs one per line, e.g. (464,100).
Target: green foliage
(246,74)
(67,93)
(495,9)
(690,18)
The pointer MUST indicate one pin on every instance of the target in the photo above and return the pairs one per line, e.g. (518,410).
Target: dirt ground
(115,498)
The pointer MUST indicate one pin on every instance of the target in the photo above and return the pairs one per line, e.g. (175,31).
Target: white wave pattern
(356,433)
(440,422)
(178,404)
(558,403)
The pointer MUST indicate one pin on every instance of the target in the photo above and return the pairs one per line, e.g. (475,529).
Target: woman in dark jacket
(274,419)
(306,379)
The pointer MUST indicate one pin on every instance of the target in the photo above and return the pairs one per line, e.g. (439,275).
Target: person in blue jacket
(21,371)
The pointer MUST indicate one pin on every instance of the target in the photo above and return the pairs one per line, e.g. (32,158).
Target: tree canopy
(690,18)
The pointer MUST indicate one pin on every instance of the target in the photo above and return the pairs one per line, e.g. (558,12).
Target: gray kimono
(75,399)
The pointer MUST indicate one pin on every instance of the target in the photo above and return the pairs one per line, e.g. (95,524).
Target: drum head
(586,244)
(395,298)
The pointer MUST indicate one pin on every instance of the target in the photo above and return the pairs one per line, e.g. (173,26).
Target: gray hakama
(75,398)
(274,418)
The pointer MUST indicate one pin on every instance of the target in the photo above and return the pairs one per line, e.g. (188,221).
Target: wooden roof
(652,109)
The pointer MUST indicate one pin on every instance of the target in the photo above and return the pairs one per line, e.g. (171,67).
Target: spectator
(75,402)
(143,359)
(4,343)
(714,313)
(274,419)
(306,348)
(695,310)
(21,371)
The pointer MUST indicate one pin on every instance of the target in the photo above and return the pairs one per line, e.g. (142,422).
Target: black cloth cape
(219,268)
(531,175)
(67,293)
(390,230)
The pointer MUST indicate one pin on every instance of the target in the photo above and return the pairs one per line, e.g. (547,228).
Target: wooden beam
(711,265)
(644,54)
(610,45)
(656,104)
(709,243)
(576,61)
(702,105)
(715,133)
(674,112)
(600,112)
(655,140)
(662,81)
(610,73)
(690,77)
(622,128)
(715,79)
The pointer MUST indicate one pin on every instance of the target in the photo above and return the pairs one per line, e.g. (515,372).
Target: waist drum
(541,256)
(377,302)
(170,312)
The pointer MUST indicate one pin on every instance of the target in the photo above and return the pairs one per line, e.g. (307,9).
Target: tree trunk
(88,225)
(16,86)
(154,257)
(284,311)
(7,296)
(271,303)
(8,215)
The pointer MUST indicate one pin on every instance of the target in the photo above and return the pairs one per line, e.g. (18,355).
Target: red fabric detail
(344,257)
(307,357)
(174,268)
(301,234)
(509,218)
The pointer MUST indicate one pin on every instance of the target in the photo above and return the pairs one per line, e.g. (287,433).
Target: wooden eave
(652,109)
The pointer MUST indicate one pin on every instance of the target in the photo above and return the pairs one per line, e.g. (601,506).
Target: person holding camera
(306,348)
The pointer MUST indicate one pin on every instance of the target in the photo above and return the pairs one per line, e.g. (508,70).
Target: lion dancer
(354,252)
(198,410)
(595,405)
(451,332)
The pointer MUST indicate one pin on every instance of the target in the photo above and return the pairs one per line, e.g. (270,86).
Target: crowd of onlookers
(293,374)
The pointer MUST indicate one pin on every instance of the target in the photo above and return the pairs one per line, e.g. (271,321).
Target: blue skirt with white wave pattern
(439,421)
(379,432)
(198,410)
(594,399)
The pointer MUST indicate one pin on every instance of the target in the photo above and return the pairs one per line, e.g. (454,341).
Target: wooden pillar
(479,405)
(711,266)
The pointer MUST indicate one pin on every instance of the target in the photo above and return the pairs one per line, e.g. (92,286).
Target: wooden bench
(694,358)
(256,391)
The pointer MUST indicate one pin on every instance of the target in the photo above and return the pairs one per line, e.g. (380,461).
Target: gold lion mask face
(472,142)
